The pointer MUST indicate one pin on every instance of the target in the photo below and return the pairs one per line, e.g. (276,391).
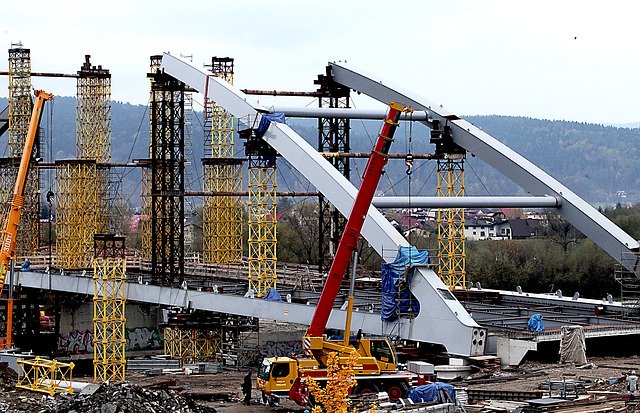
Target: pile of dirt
(8,377)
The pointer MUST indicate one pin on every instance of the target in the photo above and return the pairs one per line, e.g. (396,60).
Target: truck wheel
(396,391)
(365,388)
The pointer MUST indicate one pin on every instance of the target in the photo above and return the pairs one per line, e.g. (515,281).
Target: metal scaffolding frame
(93,131)
(77,210)
(451,239)
(167,177)
(20,104)
(192,345)
(109,299)
(221,216)
(333,136)
(45,376)
(145,209)
(262,212)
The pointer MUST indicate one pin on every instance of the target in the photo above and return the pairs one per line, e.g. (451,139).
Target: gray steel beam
(445,321)
(344,113)
(466,202)
(438,322)
(618,244)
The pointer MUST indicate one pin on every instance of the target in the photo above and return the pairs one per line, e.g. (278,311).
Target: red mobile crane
(375,368)
(12,221)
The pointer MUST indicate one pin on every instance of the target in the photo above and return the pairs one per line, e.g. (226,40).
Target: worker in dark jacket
(246,388)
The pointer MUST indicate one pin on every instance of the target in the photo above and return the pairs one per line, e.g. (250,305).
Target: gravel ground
(222,391)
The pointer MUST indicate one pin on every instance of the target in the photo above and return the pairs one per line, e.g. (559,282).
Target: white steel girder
(617,243)
(438,323)
(442,318)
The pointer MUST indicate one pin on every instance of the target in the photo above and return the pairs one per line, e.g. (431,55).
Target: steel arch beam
(617,243)
(442,318)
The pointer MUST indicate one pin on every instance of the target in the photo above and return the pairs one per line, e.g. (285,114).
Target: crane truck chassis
(375,366)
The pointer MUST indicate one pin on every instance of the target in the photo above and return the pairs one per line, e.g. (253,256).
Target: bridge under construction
(90,260)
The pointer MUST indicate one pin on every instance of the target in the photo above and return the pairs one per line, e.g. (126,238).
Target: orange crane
(10,226)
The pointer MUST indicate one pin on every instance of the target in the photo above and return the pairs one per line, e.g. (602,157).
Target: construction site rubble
(107,398)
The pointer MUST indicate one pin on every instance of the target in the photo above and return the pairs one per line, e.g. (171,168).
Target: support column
(77,211)
(262,213)
(109,321)
(20,104)
(333,136)
(167,178)
(93,130)
(221,215)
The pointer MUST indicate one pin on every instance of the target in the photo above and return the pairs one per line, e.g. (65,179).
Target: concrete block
(420,367)
(512,351)
(454,361)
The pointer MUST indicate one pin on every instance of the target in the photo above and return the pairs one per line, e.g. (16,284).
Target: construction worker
(246,388)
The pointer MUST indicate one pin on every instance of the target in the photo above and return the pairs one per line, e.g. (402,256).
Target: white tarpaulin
(572,345)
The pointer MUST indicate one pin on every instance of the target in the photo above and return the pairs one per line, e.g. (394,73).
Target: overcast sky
(572,60)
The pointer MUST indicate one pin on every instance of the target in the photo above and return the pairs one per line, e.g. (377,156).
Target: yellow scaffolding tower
(222,215)
(262,224)
(109,322)
(451,238)
(76,212)
(93,113)
(20,104)
(192,345)
(93,129)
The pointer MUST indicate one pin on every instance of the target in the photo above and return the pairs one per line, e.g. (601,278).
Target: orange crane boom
(10,226)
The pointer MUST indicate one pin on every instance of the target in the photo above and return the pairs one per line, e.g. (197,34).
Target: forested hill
(594,161)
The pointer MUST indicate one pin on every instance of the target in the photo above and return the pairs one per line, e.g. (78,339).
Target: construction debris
(112,398)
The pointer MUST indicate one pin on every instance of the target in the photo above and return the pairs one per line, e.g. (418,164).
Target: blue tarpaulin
(393,300)
(273,295)
(266,120)
(437,392)
(535,323)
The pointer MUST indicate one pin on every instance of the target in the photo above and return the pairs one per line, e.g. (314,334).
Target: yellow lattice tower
(20,104)
(451,239)
(109,321)
(93,129)
(222,215)
(77,210)
(262,224)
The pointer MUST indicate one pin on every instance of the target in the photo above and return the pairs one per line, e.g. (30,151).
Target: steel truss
(93,130)
(77,212)
(262,213)
(167,178)
(109,299)
(20,104)
(333,136)
(192,345)
(221,216)
(451,239)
